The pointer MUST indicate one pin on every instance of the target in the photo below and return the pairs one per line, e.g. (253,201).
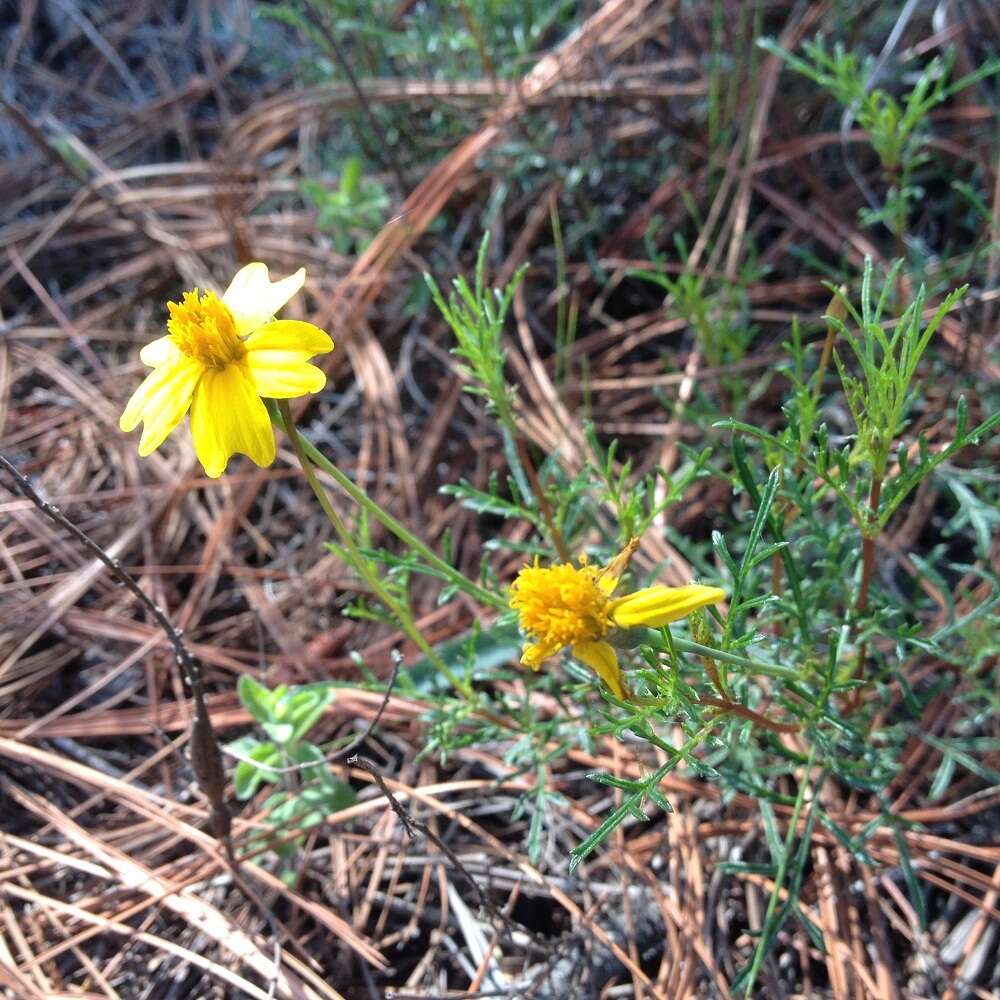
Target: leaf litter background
(147,148)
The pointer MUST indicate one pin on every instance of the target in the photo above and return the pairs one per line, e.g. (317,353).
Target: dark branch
(206,758)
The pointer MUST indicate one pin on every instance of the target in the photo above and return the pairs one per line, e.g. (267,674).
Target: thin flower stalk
(362,564)
(410,540)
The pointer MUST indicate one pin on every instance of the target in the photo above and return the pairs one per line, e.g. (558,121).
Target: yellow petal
(161,351)
(253,298)
(603,660)
(160,402)
(615,569)
(289,335)
(283,374)
(534,653)
(531,656)
(659,605)
(228,418)
(278,355)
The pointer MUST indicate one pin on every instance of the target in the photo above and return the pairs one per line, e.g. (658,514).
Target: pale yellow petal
(160,402)
(253,298)
(603,660)
(148,387)
(658,605)
(162,351)
(289,335)
(283,374)
(229,418)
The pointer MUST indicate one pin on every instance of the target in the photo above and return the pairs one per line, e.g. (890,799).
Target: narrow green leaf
(913,888)
(763,510)
(719,546)
(942,778)
(774,842)
(852,845)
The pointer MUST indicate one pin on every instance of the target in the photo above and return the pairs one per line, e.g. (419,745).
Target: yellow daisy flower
(565,605)
(221,358)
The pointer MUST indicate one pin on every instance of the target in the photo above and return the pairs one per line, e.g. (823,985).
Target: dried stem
(206,758)
(318,22)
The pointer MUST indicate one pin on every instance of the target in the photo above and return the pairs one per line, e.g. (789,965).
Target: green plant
(765,699)
(441,40)
(716,309)
(898,128)
(762,696)
(859,472)
(306,789)
(351,213)
(476,317)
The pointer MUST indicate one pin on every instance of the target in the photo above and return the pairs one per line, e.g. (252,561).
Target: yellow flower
(565,605)
(220,359)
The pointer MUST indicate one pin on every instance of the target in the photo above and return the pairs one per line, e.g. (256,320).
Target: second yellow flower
(566,605)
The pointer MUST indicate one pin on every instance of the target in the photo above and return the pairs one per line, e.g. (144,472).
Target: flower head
(220,359)
(566,605)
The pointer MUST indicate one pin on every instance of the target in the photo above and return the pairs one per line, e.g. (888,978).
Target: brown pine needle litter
(672,186)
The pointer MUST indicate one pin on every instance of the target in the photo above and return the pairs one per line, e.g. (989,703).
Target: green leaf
(626,784)
(307,706)
(766,552)
(745,868)
(256,698)
(249,774)
(657,796)
(815,934)
(852,845)
(983,429)
(764,508)
(306,754)
(535,830)
(484,503)
(315,804)
(350,179)
(280,732)
(774,842)
(967,761)
(478,653)
(942,778)
(910,876)
(719,545)
(631,806)
(982,516)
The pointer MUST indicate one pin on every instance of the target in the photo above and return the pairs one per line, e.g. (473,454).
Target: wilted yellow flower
(219,358)
(565,605)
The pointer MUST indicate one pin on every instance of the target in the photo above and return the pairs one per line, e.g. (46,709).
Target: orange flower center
(203,328)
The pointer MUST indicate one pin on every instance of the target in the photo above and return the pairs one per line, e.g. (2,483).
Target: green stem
(400,530)
(757,666)
(779,880)
(869,531)
(358,560)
